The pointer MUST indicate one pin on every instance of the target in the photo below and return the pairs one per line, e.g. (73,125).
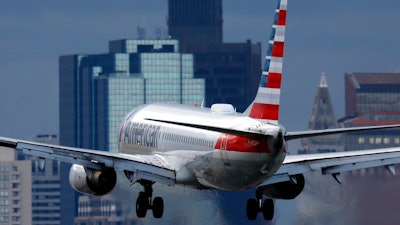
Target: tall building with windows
(15,189)
(46,187)
(232,70)
(372,99)
(102,210)
(194,21)
(97,91)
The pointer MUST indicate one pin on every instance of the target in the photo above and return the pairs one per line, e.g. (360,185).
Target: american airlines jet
(214,148)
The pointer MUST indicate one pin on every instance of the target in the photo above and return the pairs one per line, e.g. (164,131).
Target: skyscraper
(105,87)
(322,117)
(15,189)
(232,70)
(195,21)
(372,99)
(46,187)
(97,91)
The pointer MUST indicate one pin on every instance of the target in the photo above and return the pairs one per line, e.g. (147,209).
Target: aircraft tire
(158,207)
(268,209)
(252,209)
(142,205)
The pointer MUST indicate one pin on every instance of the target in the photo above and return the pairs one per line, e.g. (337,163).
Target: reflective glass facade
(97,91)
(372,99)
(193,21)
(232,70)
(108,86)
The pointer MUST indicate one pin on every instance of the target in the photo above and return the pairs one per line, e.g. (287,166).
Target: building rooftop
(377,78)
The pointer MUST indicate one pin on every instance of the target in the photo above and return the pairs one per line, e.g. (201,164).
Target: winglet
(266,104)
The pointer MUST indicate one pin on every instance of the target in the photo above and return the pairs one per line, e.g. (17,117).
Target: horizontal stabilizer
(313,133)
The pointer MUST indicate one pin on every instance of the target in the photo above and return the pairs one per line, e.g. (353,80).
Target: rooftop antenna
(141,32)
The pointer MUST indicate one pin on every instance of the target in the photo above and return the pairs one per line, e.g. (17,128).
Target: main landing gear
(256,205)
(145,202)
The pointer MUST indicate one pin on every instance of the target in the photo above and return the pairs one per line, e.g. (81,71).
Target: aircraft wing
(149,167)
(336,163)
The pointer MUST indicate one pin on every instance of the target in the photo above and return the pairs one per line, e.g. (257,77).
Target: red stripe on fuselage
(264,111)
(236,143)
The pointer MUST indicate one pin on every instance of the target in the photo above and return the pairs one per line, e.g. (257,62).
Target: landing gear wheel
(252,209)
(158,207)
(144,201)
(268,209)
(142,205)
(256,205)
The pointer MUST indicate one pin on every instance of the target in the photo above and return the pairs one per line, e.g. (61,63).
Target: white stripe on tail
(266,103)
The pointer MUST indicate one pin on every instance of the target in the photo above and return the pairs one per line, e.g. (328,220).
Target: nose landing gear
(254,206)
(145,202)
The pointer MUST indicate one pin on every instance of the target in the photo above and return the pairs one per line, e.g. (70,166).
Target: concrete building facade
(15,189)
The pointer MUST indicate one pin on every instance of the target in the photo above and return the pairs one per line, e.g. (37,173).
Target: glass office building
(103,88)
(232,71)
(193,21)
(97,91)
(372,99)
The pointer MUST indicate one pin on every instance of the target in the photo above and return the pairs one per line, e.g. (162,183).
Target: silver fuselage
(200,157)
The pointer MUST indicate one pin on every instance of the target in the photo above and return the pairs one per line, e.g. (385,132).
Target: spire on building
(323,83)
(322,117)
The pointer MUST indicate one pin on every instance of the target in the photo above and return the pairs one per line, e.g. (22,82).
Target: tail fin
(266,104)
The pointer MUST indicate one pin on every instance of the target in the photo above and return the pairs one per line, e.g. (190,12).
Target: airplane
(211,148)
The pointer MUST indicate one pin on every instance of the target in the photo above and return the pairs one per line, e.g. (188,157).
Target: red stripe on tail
(277,49)
(274,80)
(281,18)
(264,111)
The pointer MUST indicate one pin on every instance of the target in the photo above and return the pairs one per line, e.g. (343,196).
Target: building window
(371,140)
(4,177)
(386,141)
(361,140)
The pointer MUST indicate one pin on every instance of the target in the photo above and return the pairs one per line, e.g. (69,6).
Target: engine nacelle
(285,190)
(98,182)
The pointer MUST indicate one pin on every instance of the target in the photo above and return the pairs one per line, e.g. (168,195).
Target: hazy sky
(322,36)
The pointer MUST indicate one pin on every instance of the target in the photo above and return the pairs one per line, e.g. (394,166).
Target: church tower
(322,117)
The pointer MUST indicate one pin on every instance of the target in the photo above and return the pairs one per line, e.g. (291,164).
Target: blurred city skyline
(322,36)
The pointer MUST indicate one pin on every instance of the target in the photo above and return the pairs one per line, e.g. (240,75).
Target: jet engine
(94,182)
(285,190)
